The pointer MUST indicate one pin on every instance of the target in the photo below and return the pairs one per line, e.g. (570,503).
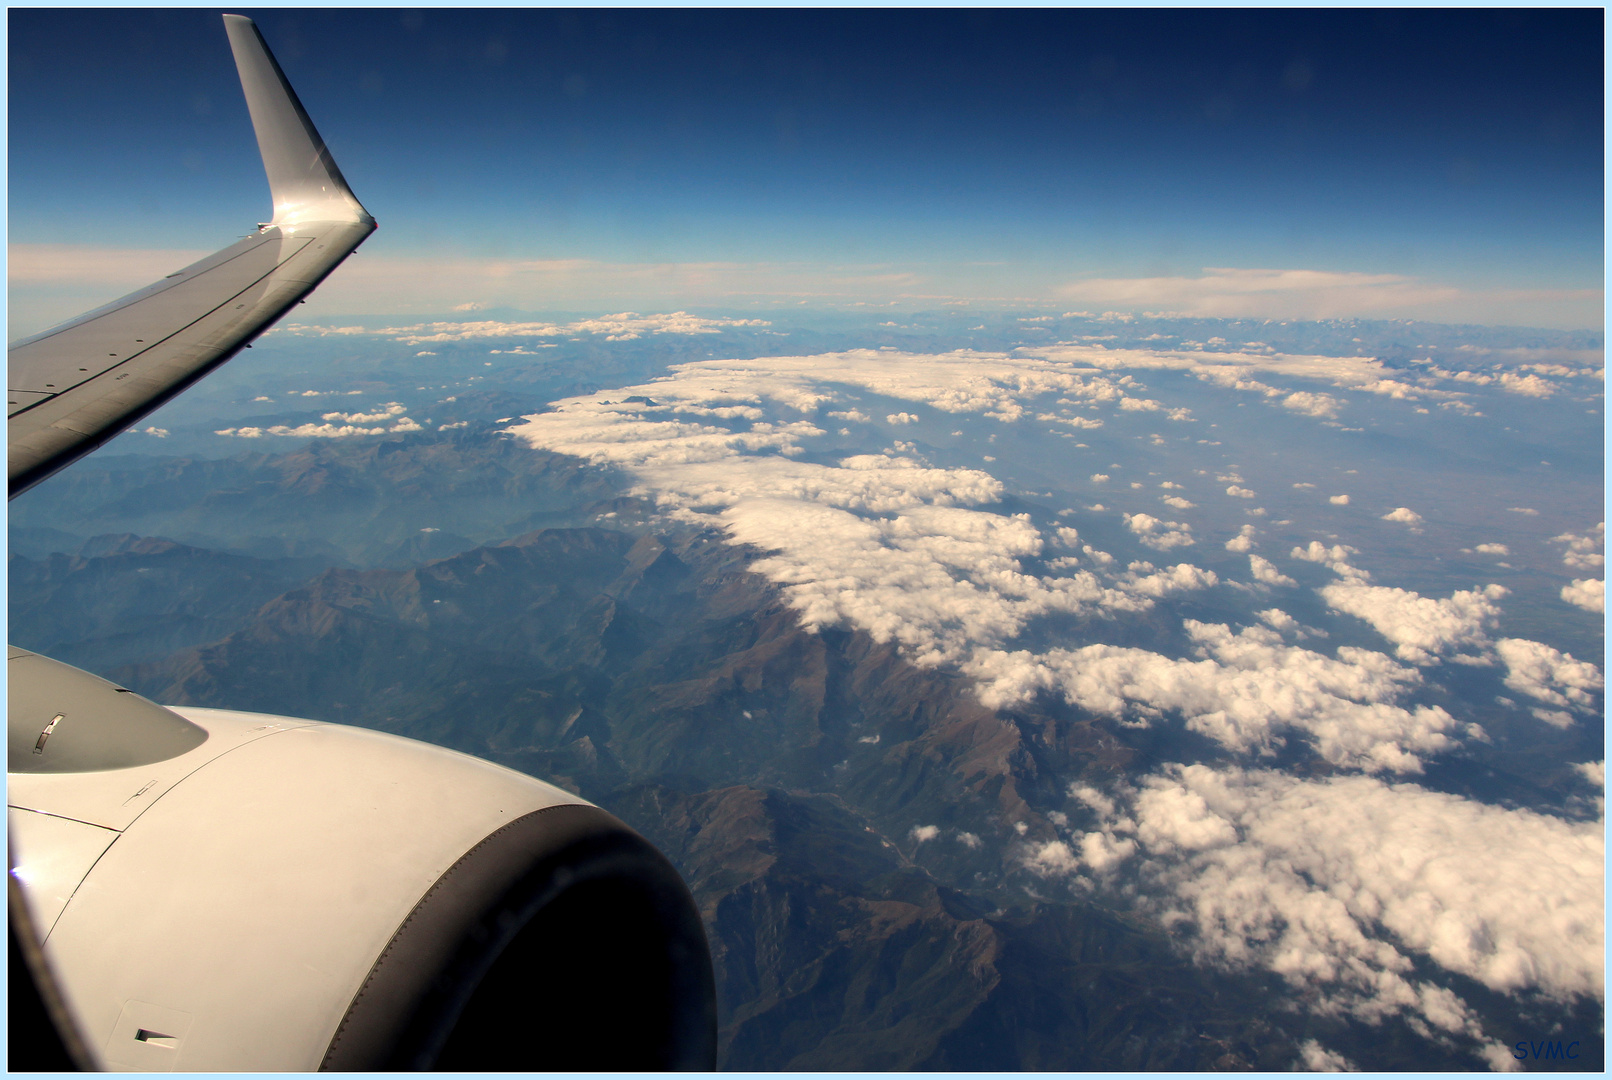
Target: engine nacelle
(272,894)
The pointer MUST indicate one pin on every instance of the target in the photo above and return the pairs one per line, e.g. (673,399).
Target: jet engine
(228,891)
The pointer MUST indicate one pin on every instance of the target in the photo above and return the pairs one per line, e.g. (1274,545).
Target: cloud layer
(1248,690)
(623,326)
(1420,627)
(54,281)
(1310,294)
(884,542)
(1337,886)
(915,554)
(1347,887)
(388,419)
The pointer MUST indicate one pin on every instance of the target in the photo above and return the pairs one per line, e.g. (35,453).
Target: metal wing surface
(75,386)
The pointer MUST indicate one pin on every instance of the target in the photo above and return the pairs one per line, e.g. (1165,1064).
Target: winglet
(303,177)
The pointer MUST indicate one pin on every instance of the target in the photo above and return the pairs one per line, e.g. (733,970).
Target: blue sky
(1439,164)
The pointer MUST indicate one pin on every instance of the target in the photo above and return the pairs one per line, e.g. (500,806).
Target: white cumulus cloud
(1584,552)
(1157,534)
(1247,691)
(1265,572)
(402,425)
(1243,541)
(1322,406)
(1587,593)
(386,412)
(1404,515)
(918,556)
(1549,675)
(1317,1058)
(1420,627)
(1339,885)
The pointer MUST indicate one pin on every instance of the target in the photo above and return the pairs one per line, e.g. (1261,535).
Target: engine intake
(562,941)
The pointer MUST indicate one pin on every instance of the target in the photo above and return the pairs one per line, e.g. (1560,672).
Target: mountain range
(843,816)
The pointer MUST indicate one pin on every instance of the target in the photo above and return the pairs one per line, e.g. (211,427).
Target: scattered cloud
(1589,594)
(1334,558)
(625,326)
(1357,891)
(914,554)
(1265,572)
(1317,1058)
(386,412)
(1321,406)
(1405,516)
(1260,372)
(1556,718)
(1157,534)
(1066,537)
(1420,627)
(1547,675)
(322,431)
(907,552)
(1142,579)
(388,419)
(1246,691)
(1508,381)
(1270,872)
(1584,552)
(1079,423)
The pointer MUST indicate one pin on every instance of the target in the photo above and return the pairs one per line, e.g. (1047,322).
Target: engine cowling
(278,894)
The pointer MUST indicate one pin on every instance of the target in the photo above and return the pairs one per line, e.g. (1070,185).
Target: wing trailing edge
(75,386)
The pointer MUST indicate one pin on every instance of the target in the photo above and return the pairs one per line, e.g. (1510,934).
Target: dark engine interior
(563,942)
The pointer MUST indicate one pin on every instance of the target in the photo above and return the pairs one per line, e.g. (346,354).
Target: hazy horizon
(1435,165)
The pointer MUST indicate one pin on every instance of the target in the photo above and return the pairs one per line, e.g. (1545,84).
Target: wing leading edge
(75,386)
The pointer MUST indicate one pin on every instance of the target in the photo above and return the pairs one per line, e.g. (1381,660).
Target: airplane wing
(220,891)
(75,386)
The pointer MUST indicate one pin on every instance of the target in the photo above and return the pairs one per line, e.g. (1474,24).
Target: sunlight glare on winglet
(303,178)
